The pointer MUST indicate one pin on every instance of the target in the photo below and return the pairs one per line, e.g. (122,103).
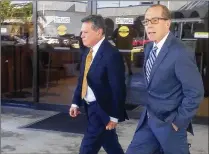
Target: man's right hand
(74,111)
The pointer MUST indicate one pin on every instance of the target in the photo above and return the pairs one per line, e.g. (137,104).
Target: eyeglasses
(153,21)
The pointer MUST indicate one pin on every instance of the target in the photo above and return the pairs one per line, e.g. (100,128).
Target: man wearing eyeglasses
(174,89)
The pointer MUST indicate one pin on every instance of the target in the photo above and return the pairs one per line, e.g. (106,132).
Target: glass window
(59,24)
(17,54)
(125,30)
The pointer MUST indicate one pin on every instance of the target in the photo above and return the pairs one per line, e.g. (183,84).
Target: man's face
(90,36)
(159,28)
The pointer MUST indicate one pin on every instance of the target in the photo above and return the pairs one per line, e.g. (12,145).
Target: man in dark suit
(101,88)
(174,89)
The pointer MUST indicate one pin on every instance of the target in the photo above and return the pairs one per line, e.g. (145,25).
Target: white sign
(3,30)
(65,20)
(124,21)
(201,35)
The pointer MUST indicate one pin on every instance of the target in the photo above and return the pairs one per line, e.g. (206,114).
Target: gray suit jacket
(175,89)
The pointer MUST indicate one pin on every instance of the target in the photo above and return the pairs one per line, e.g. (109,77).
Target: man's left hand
(175,127)
(111,125)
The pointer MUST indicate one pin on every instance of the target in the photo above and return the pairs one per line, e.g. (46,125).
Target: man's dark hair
(165,11)
(97,22)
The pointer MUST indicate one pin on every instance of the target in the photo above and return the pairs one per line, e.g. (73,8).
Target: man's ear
(169,23)
(100,31)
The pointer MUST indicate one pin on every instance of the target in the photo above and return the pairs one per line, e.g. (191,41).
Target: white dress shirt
(160,44)
(89,94)
(90,97)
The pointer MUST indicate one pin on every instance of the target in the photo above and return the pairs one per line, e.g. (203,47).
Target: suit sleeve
(192,87)
(77,94)
(116,78)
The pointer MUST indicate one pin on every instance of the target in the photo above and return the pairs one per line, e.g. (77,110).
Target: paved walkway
(15,140)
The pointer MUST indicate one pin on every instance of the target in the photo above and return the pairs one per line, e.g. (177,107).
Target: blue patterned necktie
(150,62)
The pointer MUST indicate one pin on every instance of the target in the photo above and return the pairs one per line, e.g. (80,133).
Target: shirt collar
(96,47)
(160,44)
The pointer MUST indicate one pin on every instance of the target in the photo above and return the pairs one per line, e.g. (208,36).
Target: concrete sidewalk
(15,140)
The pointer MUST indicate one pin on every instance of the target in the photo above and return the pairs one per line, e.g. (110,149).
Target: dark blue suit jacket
(106,78)
(175,89)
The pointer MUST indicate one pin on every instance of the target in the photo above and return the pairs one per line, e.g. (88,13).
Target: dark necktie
(150,62)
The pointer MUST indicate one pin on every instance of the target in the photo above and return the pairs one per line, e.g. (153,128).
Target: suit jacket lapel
(161,55)
(97,57)
(147,50)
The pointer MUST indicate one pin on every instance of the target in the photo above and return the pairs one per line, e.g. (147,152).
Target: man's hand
(74,111)
(111,125)
(175,127)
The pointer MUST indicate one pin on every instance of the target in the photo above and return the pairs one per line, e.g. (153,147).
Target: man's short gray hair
(97,22)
